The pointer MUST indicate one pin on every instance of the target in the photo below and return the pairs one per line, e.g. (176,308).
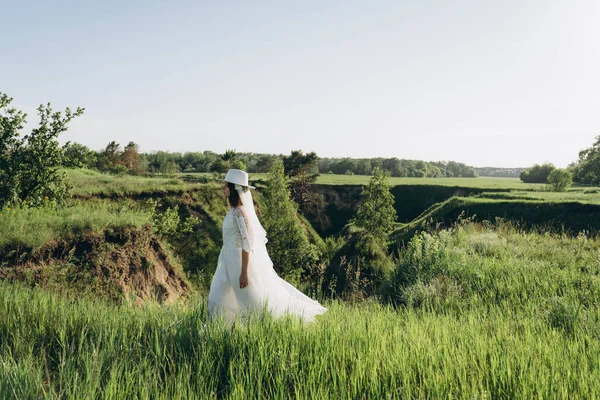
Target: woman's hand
(243,280)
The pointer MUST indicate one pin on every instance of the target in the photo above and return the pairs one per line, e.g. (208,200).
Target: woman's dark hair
(234,196)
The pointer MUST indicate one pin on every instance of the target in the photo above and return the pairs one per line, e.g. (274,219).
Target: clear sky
(487,83)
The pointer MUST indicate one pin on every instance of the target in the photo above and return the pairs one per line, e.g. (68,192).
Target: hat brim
(233,183)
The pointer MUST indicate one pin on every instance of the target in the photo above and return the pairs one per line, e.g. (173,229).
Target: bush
(358,269)
(560,179)
(424,259)
(537,173)
(167,223)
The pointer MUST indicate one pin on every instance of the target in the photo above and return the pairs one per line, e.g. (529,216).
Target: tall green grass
(55,348)
(474,265)
(482,313)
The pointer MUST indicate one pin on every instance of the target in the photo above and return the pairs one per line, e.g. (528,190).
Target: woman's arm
(244,274)
(246,235)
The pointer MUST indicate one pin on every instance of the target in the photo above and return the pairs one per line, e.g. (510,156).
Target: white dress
(265,290)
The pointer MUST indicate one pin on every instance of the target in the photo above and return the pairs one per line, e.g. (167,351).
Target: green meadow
(482,305)
(491,313)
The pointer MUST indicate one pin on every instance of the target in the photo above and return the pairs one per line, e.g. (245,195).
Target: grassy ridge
(495,313)
(590,195)
(31,228)
(539,215)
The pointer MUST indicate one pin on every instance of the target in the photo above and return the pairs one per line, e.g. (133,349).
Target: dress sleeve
(244,228)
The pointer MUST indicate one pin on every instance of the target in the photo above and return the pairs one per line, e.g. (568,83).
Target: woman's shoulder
(239,211)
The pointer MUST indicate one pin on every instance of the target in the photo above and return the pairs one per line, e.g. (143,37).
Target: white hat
(238,177)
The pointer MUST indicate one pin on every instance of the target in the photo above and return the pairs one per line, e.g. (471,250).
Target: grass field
(474,311)
(88,183)
(333,179)
(481,182)
(494,313)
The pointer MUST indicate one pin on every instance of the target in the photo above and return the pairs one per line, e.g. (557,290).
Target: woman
(245,281)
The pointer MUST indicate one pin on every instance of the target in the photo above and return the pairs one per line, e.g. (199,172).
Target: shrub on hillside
(424,258)
(358,269)
(167,222)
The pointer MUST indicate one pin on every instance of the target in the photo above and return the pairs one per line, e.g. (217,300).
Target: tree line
(498,172)
(128,159)
(30,165)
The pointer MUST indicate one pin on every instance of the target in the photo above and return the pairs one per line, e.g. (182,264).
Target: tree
(343,165)
(265,162)
(169,168)
(288,243)
(537,173)
(11,122)
(228,158)
(109,159)
(29,167)
(113,152)
(376,214)
(218,166)
(156,162)
(364,167)
(303,171)
(587,169)
(560,179)
(237,164)
(393,166)
(299,164)
(194,162)
(78,156)
(131,159)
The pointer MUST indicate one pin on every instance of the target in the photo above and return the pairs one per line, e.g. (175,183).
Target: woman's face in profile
(226,190)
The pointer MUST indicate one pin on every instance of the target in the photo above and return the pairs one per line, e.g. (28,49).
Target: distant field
(88,182)
(333,179)
(485,183)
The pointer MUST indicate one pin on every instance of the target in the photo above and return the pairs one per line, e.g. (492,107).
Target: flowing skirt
(265,290)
